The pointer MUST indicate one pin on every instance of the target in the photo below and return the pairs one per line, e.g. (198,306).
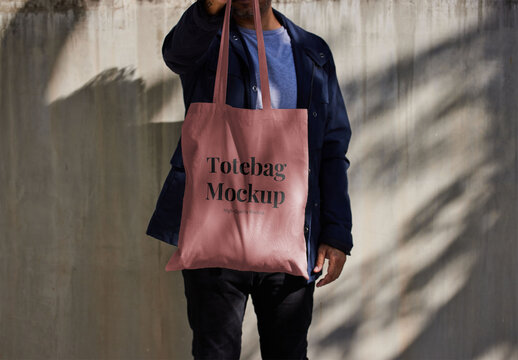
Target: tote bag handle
(220,87)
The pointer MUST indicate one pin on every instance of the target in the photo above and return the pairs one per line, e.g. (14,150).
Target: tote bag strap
(220,85)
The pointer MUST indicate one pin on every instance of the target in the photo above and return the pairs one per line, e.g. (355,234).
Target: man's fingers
(322,282)
(326,280)
(320,260)
(214,6)
(334,269)
(329,278)
(336,264)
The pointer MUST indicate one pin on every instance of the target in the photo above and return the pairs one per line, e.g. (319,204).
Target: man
(302,74)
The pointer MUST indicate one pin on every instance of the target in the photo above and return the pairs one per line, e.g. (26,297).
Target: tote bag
(246,181)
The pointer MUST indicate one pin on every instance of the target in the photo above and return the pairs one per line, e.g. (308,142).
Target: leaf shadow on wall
(461,301)
(79,177)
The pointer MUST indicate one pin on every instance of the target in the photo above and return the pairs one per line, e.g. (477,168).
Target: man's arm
(335,209)
(186,44)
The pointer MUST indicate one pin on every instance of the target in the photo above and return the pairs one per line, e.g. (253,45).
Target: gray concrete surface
(90,116)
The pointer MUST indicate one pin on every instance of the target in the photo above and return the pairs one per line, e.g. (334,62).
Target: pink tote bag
(246,180)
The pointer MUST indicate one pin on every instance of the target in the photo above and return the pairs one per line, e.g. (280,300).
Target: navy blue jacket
(191,48)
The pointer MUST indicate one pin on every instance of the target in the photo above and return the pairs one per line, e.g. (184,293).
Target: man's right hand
(214,6)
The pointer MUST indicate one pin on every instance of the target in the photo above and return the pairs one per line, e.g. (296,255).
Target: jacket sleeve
(335,207)
(185,46)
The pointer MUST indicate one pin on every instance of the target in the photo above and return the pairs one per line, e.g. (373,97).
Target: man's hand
(337,260)
(214,6)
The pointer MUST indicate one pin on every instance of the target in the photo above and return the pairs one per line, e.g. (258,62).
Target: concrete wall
(90,116)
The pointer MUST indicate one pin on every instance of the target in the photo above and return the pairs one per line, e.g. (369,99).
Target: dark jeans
(216,301)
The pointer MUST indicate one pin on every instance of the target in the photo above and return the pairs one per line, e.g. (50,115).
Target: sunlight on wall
(90,116)
(415,100)
(128,37)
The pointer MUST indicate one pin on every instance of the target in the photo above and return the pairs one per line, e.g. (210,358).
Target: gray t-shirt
(281,68)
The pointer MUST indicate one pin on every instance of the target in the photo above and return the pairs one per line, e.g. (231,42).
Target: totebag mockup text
(248,194)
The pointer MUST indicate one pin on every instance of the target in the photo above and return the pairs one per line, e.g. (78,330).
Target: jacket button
(314,114)
(316,204)
(234,37)
(254,88)
(306,229)
(321,55)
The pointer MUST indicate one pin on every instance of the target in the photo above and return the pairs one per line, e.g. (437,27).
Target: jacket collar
(301,39)
(306,54)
